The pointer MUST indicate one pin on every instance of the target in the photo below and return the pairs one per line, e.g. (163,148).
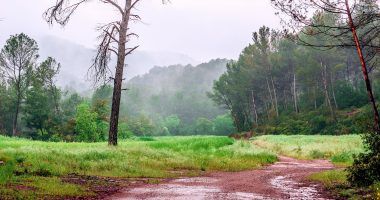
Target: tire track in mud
(282,180)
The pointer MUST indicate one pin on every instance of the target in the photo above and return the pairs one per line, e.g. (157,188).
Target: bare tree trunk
(18,101)
(315,98)
(270,93)
(15,119)
(333,90)
(285,101)
(325,87)
(255,109)
(118,81)
(364,69)
(275,97)
(295,92)
(268,110)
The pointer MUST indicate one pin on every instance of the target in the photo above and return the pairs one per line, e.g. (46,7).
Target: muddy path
(282,180)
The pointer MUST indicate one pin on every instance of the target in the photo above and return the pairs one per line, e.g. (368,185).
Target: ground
(282,180)
(208,166)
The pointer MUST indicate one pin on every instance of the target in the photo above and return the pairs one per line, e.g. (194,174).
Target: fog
(186,31)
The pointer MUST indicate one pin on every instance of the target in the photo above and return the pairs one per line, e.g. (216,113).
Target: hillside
(175,90)
(76,59)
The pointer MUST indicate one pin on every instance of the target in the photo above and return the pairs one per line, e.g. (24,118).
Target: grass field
(39,164)
(35,169)
(339,149)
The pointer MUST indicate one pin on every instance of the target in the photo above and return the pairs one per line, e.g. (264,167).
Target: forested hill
(175,90)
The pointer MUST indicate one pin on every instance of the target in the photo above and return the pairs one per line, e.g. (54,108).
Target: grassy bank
(33,168)
(339,149)
(336,182)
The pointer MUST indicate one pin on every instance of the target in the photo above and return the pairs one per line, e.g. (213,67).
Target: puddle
(278,181)
(196,180)
(295,190)
(175,190)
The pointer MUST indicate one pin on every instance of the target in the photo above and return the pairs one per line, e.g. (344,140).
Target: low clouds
(202,29)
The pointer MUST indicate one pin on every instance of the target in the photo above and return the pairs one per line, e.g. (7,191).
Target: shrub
(365,169)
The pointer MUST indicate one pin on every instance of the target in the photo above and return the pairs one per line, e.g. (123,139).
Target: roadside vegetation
(338,149)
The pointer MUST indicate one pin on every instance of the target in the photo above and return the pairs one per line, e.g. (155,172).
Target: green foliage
(124,131)
(203,126)
(223,125)
(171,91)
(86,124)
(141,126)
(365,169)
(172,123)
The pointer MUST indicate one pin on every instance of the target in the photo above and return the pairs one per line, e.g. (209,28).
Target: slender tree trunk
(325,87)
(18,101)
(270,93)
(15,119)
(275,96)
(295,92)
(118,81)
(268,110)
(364,69)
(333,90)
(255,109)
(285,101)
(315,98)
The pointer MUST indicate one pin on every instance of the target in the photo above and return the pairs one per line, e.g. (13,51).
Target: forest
(299,102)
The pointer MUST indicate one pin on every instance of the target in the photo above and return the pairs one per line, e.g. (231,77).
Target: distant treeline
(166,101)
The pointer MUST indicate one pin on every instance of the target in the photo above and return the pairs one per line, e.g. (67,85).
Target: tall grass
(133,158)
(339,149)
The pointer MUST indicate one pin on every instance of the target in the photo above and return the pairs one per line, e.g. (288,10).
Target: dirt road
(283,180)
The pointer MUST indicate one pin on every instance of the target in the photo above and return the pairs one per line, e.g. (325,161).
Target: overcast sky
(202,29)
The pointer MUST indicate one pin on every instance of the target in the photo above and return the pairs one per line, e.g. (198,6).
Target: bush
(365,169)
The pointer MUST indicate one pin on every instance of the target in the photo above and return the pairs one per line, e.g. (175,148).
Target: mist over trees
(113,40)
(168,101)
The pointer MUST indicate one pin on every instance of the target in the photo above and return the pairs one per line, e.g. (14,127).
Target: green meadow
(37,166)
(37,169)
(338,149)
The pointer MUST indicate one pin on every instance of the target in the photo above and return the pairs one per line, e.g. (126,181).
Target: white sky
(202,29)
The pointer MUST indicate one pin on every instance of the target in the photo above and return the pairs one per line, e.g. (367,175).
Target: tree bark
(275,97)
(295,92)
(364,69)
(315,98)
(325,87)
(15,119)
(18,101)
(255,109)
(270,93)
(333,90)
(118,80)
